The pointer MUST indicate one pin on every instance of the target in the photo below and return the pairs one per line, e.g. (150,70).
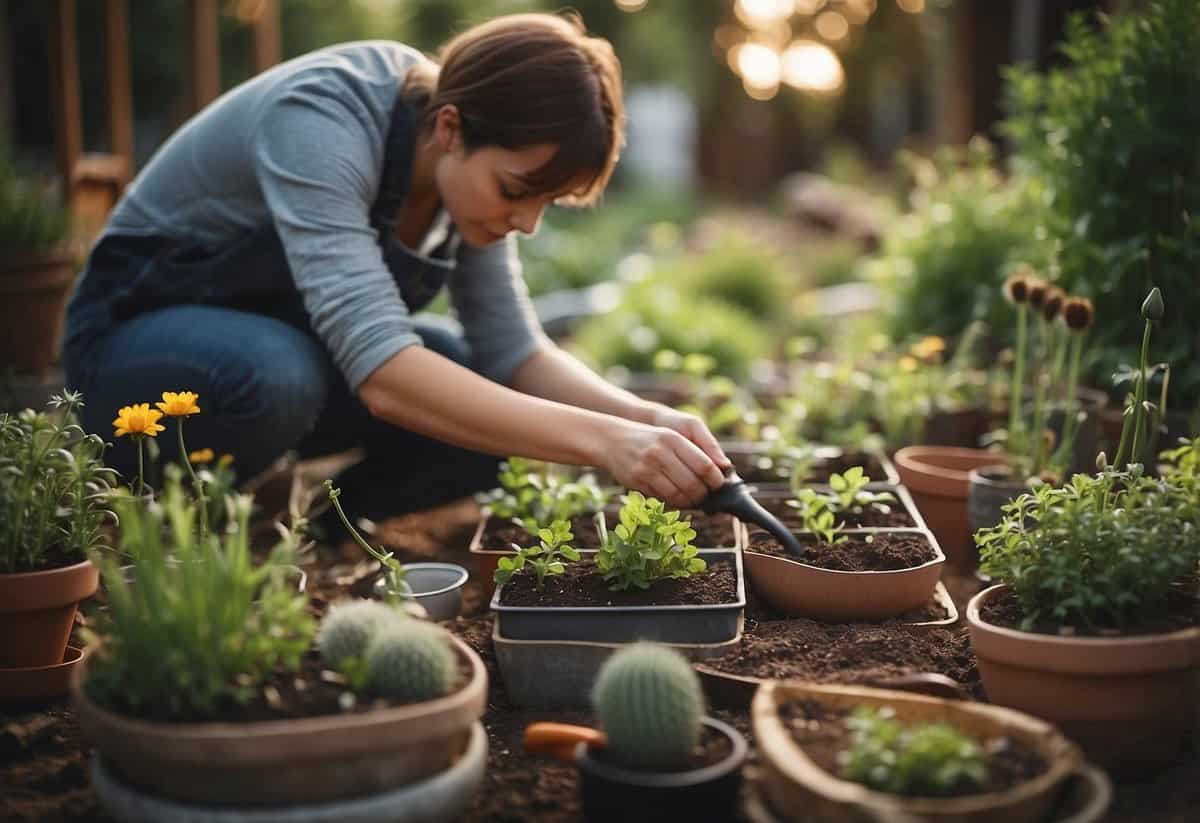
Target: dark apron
(127,274)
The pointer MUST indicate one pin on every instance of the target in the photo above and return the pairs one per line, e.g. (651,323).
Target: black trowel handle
(734,498)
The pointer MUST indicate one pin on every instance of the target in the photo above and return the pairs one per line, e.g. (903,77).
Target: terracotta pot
(936,476)
(797,788)
(33,294)
(1130,701)
(286,762)
(37,612)
(989,489)
(800,590)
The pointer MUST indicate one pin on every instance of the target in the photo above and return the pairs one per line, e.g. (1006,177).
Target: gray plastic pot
(441,798)
(707,623)
(437,587)
(989,489)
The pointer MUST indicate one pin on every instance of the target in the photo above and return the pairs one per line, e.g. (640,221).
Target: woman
(271,256)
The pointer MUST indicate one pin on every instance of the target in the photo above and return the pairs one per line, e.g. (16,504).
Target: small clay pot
(37,612)
(613,792)
(936,476)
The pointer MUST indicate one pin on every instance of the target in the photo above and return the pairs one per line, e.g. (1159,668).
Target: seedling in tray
(648,544)
(544,559)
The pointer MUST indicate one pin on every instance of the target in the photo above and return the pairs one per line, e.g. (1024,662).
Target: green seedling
(544,560)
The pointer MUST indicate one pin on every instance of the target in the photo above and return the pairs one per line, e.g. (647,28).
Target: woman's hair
(526,79)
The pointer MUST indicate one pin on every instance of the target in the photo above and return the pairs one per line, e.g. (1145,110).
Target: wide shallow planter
(33,294)
(936,476)
(441,798)
(801,590)
(550,674)
(436,587)
(484,561)
(37,613)
(703,623)
(1130,701)
(744,454)
(286,762)
(613,792)
(798,788)
(989,490)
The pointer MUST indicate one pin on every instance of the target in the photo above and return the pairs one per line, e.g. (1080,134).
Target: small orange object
(558,740)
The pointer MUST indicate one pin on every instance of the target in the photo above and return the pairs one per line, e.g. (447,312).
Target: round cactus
(348,628)
(649,703)
(411,661)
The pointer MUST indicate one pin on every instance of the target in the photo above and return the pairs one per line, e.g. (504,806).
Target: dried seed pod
(1078,313)
(1017,288)
(1055,297)
(1037,292)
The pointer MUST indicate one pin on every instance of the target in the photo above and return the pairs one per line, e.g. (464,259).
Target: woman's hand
(675,458)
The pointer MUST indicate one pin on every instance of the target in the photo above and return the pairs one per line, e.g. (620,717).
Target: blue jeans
(267,386)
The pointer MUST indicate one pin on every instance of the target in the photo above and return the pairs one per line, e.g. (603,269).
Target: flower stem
(196,484)
(139,486)
(1014,408)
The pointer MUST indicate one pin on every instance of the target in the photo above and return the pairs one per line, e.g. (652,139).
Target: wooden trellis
(94,181)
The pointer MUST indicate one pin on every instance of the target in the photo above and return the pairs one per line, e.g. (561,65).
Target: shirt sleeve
(492,302)
(317,159)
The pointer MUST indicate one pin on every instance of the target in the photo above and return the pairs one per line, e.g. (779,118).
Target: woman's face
(482,190)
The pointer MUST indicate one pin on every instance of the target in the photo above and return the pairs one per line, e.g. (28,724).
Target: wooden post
(64,89)
(268,48)
(204,48)
(117,84)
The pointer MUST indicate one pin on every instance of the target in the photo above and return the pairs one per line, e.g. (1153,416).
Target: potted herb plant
(846,753)
(656,756)
(53,487)
(36,270)
(845,574)
(646,581)
(1093,622)
(204,691)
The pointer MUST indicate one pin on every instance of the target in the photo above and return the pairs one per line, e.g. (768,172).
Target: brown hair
(526,79)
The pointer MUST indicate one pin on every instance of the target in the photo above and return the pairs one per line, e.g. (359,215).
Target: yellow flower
(179,404)
(928,347)
(907,364)
(226,459)
(202,456)
(138,419)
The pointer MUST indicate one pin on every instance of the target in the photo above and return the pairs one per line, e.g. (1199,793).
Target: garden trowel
(734,498)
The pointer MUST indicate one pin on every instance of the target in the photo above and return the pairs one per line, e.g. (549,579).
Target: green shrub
(930,759)
(1113,136)
(649,544)
(649,703)
(200,625)
(655,316)
(53,488)
(735,271)
(33,219)
(942,264)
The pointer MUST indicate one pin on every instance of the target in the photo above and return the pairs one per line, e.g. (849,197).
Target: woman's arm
(424,392)
(554,374)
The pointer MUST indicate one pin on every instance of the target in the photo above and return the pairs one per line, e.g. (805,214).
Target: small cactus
(411,661)
(349,627)
(649,703)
